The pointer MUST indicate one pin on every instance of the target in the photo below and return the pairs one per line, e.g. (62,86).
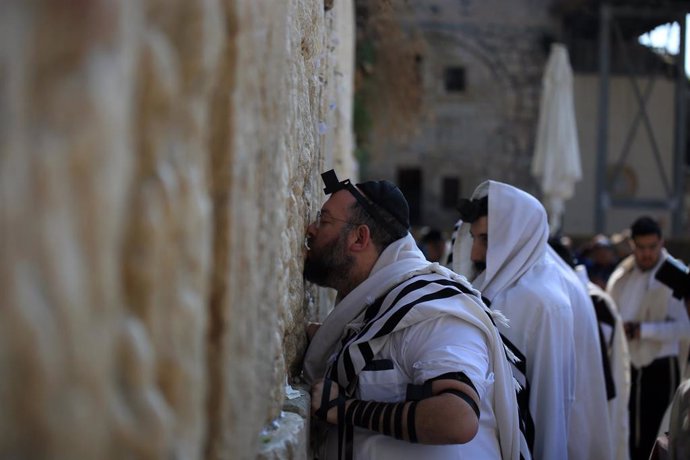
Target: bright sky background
(667,37)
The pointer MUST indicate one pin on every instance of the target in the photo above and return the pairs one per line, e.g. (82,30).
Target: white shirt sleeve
(446,344)
(676,327)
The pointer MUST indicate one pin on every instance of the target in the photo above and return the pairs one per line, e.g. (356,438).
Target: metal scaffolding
(673,187)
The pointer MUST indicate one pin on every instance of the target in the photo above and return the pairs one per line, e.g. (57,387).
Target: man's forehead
(646,240)
(480,225)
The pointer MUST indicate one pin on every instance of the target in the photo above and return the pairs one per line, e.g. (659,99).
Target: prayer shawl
(619,361)
(589,429)
(349,322)
(653,308)
(522,283)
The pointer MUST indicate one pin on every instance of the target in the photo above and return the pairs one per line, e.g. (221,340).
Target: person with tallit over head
(614,353)
(409,364)
(501,246)
(590,435)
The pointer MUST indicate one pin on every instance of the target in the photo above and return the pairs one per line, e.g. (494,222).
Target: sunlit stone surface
(158,168)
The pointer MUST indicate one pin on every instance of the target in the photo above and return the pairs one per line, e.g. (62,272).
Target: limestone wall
(158,167)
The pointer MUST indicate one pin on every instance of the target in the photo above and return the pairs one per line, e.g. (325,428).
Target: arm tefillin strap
(344,437)
(330,180)
(326,405)
(419,392)
(385,418)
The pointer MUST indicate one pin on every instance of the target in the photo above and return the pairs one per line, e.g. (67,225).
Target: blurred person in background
(432,244)
(656,325)
(600,259)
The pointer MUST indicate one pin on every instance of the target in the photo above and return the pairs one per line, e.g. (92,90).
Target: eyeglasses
(319,215)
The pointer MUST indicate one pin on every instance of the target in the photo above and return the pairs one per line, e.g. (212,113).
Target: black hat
(383,193)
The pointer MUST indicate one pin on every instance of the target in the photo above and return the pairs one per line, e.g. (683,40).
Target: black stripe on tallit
(406,290)
(521,365)
(604,316)
(400,313)
(454,237)
(333,373)
(371,312)
(468,291)
(487,302)
(526,421)
(416,285)
(350,372)
(460,286)
(373,309)
(367,355)
(349,367)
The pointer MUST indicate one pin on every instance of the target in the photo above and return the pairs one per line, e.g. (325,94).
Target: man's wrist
(333,413)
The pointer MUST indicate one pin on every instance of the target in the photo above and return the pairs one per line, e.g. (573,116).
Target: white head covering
(521,280)
(519,249)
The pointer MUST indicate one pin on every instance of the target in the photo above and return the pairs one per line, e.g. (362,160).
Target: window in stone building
(450,189)
(410,183)
(454,79)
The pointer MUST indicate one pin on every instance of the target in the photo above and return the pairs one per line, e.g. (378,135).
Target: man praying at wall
(409,363)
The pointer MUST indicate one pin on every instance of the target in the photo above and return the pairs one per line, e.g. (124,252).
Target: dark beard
(479,266)
(328,266)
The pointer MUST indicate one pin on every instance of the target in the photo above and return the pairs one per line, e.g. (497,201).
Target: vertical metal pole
(677,207)
(602,198)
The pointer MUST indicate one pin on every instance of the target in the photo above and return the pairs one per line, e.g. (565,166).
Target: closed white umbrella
(556,161)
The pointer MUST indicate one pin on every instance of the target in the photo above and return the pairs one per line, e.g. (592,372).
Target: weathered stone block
(286,439)
(158,169)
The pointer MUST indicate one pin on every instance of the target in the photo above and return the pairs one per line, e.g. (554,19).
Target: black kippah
(382,193)
(389,197)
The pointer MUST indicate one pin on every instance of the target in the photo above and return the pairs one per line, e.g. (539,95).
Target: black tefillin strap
(423,391)
(330,180)
(344,436)
(524,417)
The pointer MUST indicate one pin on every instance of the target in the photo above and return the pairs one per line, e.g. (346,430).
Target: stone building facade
(159,165)
(480,67)
(475,114)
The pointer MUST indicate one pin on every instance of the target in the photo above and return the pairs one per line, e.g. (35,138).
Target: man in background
(656,326)
(433,244)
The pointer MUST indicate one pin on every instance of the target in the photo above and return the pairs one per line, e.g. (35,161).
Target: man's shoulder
(540,296)
(622,271)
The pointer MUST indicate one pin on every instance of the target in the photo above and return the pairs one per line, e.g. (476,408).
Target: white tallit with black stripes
(361,322)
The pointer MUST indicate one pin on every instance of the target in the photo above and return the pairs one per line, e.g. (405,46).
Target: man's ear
(361,238)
